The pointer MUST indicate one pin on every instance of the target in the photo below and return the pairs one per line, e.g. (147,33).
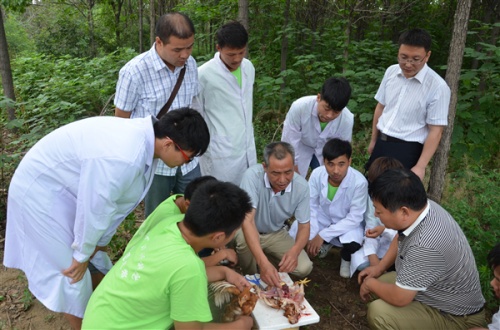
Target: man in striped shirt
(436,283)
(412,108)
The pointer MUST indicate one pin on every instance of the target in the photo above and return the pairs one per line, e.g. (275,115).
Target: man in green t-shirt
(160,281)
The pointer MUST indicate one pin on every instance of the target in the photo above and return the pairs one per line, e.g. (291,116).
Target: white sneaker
(323,250)
(345,268)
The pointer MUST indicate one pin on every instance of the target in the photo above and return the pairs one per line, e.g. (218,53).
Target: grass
(27,299)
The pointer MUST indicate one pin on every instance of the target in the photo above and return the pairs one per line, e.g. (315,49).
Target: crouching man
(436,283)
(160,281)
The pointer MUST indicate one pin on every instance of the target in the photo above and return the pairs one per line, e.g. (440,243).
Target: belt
(479,311)
(388,138)
(272,232)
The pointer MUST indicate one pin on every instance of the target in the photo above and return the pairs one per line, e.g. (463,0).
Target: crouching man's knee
(380,317)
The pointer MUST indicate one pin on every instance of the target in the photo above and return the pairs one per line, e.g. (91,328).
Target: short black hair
(335,148)
(174,24)
(186,127)
(396,188)
(217,206)
(416,38)
(336,92)
(194,184)
(494,257)
(232,35)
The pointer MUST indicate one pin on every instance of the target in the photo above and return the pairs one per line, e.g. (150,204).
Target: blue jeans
(163,186)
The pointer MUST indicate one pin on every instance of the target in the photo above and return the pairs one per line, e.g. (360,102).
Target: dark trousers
(407,153)
(348,249)
(314,162)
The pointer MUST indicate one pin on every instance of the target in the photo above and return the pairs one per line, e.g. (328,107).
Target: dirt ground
(335,299)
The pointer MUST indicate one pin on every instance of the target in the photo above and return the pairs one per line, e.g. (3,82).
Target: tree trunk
(5,69)
(457,45)
(90,21)
(140,28)
(243,16)
(284,41)
(152,22)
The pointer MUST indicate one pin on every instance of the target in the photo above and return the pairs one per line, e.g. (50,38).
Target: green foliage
(15,5)
(27,299)
(472,199)
(17,36)
(53,91)
(476,131)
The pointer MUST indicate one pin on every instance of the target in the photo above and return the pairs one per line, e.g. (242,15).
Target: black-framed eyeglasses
(410,60)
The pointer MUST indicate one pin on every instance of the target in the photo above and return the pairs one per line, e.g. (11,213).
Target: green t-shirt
(331,192)
(237,74)
(158,280)
(166,209)
(322,125)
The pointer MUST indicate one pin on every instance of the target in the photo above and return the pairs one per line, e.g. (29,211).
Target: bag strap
(174,93)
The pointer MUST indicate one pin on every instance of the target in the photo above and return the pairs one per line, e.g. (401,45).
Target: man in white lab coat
(338,203)
(75,186)
(313,120)
(225,101)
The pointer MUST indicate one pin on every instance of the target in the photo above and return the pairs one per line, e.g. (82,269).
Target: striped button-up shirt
(144,86)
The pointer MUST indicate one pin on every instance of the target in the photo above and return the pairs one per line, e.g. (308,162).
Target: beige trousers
(274,245)
(416,315)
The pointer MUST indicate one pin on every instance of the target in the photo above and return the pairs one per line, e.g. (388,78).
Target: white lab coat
(339,220)
(303,131)
(228,111)
(378,246)
(68,195)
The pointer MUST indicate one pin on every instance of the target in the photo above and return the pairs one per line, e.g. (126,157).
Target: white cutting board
(268,318)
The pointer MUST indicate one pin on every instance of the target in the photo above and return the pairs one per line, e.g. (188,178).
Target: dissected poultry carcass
(236,302)
(288,298)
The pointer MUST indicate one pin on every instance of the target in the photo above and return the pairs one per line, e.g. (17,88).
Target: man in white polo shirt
(436,282)
(278,193)
(412,108)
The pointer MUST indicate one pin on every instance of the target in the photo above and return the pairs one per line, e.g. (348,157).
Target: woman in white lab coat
(75,186)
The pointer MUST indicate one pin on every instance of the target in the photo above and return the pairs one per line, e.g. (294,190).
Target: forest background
(64,57)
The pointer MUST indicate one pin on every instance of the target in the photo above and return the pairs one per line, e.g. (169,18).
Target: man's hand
(369,272)
(375,232)
(237,279)
(419,171)
(371,146)
(364,291)
(245,321)
(269,274)
(76,271)
(313,246)
(289,262)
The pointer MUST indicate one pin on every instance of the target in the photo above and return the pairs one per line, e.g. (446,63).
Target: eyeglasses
(186,157)
(410,60)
